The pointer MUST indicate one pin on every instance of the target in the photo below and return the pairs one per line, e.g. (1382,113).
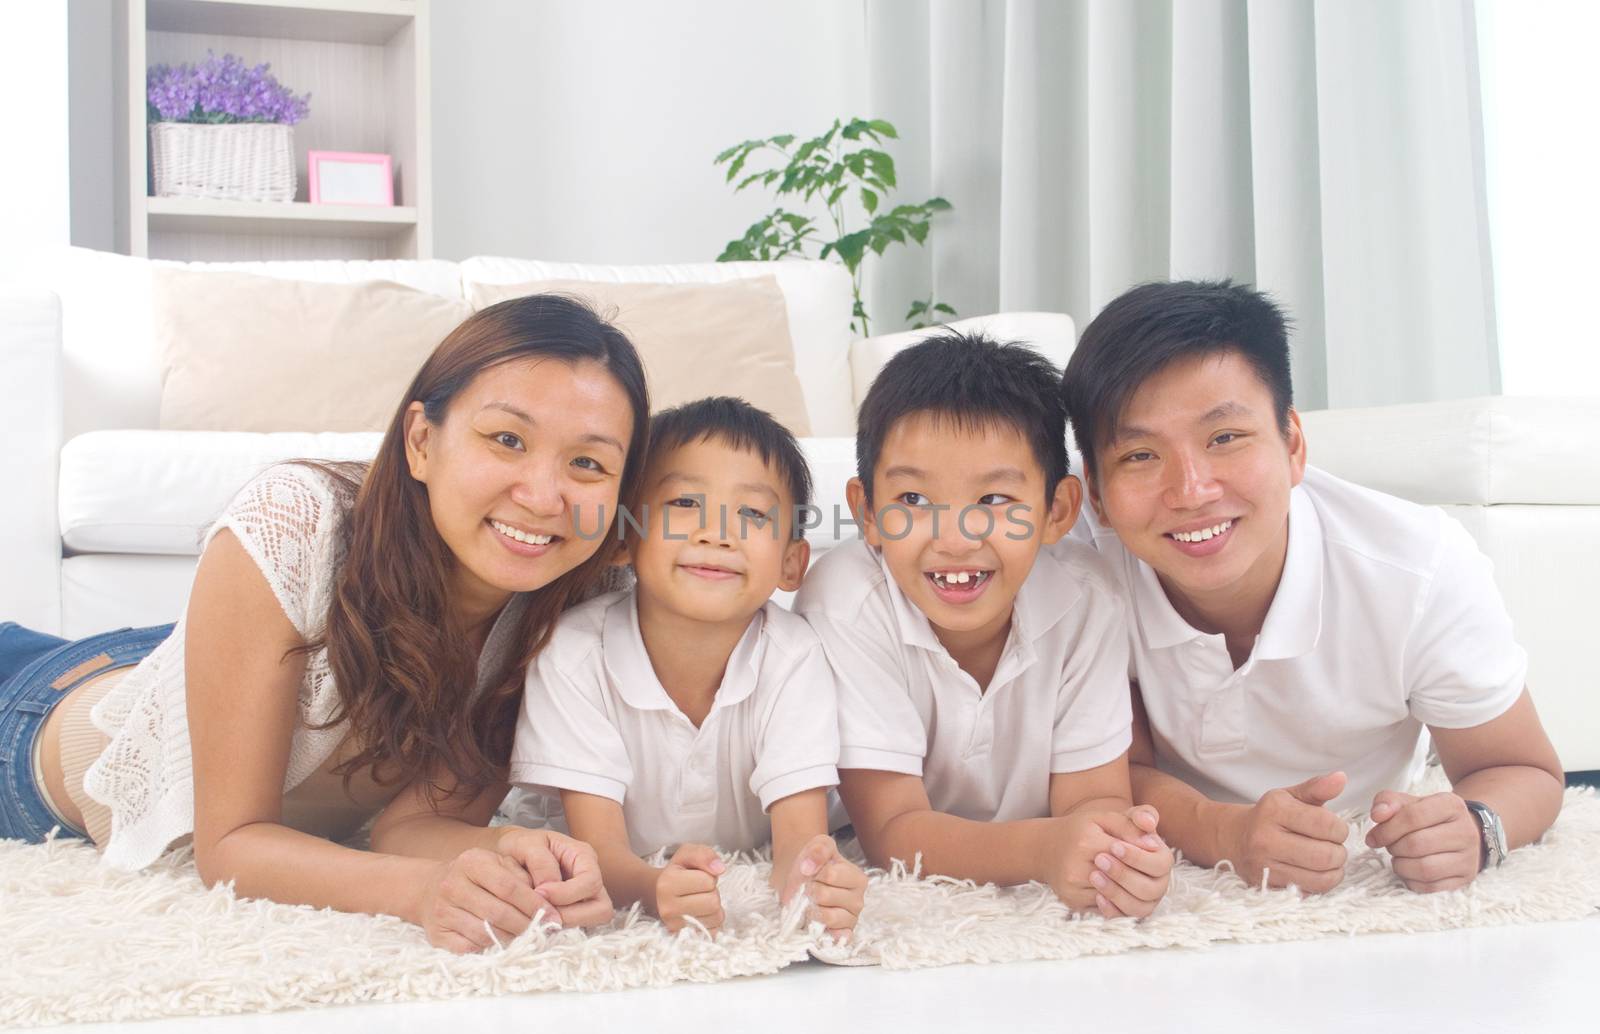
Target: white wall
(34,171)
(585,132)
(1540,86)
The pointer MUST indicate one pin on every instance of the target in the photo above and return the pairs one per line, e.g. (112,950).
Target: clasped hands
(686,889)
(1290,836)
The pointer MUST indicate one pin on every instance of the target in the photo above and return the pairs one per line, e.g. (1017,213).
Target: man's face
(1195,480)
(960,514)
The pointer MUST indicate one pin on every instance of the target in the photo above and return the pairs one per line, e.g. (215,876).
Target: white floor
(1540,978)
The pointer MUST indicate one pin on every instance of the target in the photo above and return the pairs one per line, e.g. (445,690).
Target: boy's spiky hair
(742,426)
(976,382)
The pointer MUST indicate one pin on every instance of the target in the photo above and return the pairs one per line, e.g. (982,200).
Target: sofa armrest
(30,426)
(1049,333)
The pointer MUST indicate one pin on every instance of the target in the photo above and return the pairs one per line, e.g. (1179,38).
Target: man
(1292,634)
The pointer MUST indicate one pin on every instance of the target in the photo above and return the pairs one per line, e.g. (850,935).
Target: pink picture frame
(350,178)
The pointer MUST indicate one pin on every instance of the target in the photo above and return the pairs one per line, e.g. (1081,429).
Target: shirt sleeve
(1094,707)
(797,746)
(879,727)
(566,739)
(1463,666)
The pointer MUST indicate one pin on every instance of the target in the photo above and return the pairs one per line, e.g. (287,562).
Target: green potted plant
(847,158)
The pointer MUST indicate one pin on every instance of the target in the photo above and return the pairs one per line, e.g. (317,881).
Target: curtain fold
(1328,151)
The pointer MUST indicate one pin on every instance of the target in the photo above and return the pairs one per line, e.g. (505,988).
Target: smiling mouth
(709,571)
(525,537)
(1202,534)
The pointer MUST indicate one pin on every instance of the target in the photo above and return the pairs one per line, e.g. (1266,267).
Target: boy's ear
(796,558)
(1063,509)
(855,493)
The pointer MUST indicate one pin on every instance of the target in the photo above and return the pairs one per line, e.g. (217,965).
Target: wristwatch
(1493,834)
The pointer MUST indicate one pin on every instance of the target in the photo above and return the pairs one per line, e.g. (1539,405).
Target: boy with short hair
(690,710)
(1297,636)
(981,659)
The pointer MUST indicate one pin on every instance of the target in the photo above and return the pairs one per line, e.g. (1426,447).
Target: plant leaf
(869,200)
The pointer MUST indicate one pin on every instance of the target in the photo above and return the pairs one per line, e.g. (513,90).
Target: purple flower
(221,90)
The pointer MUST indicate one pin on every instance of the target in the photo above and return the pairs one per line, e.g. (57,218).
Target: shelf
(339,21)
(200,215)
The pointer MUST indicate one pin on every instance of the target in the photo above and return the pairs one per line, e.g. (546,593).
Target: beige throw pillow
(729,338)
(256,353)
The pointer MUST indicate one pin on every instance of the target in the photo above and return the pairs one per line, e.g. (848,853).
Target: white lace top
(287,519)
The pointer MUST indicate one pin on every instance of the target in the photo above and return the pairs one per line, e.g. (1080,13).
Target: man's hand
(1290,836)
(1435,842)
(687,889)
(1133,876)
(836,886)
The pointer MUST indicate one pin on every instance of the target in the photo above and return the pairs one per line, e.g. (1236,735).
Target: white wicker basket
(243,161)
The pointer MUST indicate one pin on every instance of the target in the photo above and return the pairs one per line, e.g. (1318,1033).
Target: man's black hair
(975,381)
(1152,325)
(737,423)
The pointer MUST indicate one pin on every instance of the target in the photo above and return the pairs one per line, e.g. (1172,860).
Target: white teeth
(509,532)
(947,579)
(1203,533)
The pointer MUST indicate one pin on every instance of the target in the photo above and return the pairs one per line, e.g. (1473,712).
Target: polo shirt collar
(1294,620)
(628,662)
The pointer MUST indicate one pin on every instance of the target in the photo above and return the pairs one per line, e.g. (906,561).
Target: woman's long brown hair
(402,663)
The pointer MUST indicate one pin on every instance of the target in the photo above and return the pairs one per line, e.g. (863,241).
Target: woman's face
(528,454)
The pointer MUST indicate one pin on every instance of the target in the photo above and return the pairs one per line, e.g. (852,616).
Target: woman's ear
(418,432)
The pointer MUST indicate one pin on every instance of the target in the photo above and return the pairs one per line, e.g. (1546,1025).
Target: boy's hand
(1290,836)
(837,886)
(1133,876)
(1083,886)
(1435,842)
(687,889)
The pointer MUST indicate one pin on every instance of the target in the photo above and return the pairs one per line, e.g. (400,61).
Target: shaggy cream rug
(83,943)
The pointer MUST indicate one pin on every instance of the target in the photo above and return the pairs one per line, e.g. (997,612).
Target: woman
(356,646)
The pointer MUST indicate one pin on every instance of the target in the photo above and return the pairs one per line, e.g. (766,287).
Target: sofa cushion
(1484,451)
(241,352)
(739,329)
(816,294)
(156,492)
(112,368)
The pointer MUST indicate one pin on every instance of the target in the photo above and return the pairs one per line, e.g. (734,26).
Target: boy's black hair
(740,425)
(1148,327)
(975,381)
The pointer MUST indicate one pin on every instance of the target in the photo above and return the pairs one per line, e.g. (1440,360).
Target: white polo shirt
(597,720)
(1058,701)
(1386,620)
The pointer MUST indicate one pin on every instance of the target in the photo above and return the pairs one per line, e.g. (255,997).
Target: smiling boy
(1296,637)
(691,710)
(982,661)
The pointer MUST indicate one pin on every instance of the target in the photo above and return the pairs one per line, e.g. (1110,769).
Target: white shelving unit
(365,64)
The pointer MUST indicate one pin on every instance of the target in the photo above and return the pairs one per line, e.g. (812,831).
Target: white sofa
(101,512)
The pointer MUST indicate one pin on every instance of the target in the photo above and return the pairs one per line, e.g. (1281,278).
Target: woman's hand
(564,872)
(479,897)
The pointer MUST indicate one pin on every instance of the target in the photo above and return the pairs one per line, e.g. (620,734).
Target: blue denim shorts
(37,671)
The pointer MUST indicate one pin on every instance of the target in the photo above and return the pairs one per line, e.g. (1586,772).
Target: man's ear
(796,558)
(1064,509)
(1296,439)
(855,493)
(417,434)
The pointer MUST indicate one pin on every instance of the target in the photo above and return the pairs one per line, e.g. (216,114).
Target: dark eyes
(918,499)
(509,440)
(687,502)
(754,516)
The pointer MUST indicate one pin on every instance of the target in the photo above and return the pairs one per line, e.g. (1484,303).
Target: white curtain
(1328,151)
